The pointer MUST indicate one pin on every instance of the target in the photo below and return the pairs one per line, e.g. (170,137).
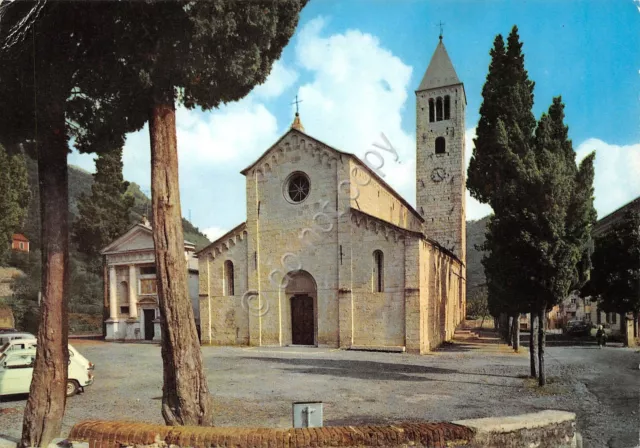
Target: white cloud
(213,233)
(280,79)
(357,91)
(617,168)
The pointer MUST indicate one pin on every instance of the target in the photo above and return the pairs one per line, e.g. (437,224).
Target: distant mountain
(475,237)
(80,181)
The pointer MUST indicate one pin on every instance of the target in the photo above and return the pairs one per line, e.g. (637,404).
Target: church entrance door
(302,320)
(149,316)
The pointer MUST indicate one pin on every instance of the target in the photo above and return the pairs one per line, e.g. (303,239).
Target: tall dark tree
(14,198)
(105,214)
(551,252)
(505,127)
(615,278)
(195,54)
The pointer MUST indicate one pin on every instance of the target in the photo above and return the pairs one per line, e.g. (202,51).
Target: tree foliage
(14,199)
(536,248)
(615,278)
(105,214)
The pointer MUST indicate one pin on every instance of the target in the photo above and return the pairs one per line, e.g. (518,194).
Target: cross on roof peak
(296,102)
(440,25)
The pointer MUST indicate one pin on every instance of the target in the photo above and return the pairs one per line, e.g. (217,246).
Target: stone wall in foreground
(545,429)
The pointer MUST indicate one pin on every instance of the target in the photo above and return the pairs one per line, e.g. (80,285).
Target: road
(256,386)
(611,397)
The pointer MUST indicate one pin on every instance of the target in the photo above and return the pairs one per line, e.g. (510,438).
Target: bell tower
(440,163)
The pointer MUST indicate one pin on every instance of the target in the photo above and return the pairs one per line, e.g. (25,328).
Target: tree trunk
(510,331)
(516,332)
(635,324)
(533,342)
(542,324)
(47,396)
(185,394)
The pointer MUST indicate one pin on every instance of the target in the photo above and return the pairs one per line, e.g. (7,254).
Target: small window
(439,109)
(573,300)
(378,271)
(124,310)
(21,245)
(432,111)
(447,107)
(148,270)
(441,145)
(229,287)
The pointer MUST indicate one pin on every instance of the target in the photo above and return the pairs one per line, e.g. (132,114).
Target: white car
(7,337)
(32,343)
(16,370)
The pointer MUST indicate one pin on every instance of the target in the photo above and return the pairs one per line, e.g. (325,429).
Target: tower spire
(440,25)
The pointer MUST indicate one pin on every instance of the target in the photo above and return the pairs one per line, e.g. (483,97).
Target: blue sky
(356,64)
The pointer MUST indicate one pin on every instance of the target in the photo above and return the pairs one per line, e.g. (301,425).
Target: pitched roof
(440,72)
(136,228)
(358,160)
(19,237)
(239,227)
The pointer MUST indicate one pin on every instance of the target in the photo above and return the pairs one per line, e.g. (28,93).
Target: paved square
(256,386)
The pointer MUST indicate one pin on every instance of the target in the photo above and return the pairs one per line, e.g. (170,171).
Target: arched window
(378,271)
(432,115)
(439,109)
(441,146)
(229,289)
(447,107)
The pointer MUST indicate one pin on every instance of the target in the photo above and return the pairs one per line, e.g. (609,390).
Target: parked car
(16,370)
(23,344)
(579,329)
(6,337)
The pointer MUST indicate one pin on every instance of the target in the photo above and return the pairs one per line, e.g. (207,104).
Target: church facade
(330,255)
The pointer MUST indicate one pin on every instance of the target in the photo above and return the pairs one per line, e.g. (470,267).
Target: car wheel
(72,388)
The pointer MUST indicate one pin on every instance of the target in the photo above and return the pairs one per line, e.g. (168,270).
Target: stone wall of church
(372,197)
(224,319)
(378,317)
(287,237)
(445,291)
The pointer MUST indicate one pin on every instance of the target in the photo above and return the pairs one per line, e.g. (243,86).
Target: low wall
(544,429)
(101,434)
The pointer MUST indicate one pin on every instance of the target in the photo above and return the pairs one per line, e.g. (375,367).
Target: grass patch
(553,386)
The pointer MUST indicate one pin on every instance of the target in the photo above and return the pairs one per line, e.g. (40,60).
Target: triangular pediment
(295,139)
(137,238)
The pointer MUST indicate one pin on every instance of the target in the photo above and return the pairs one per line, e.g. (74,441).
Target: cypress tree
(105,214)
(505,130)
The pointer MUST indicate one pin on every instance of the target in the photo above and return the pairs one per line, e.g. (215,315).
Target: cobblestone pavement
(256,386)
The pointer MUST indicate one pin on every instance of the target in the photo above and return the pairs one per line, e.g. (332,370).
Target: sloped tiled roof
(440,72)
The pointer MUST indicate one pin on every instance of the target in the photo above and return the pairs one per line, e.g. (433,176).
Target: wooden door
(302,320)
(149,317)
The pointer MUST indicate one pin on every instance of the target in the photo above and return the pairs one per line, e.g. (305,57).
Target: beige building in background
(131,291)
(330,255)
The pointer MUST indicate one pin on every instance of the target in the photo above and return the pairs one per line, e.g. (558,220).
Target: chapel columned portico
(131,295)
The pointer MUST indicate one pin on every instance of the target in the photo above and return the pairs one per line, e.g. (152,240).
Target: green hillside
(475,237)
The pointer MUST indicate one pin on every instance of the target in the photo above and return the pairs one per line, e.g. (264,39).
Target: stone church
(331,256)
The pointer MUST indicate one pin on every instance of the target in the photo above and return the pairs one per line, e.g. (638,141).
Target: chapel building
(131,286)
(331,256)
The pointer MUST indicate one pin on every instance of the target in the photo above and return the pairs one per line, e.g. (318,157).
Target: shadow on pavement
(370,370)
